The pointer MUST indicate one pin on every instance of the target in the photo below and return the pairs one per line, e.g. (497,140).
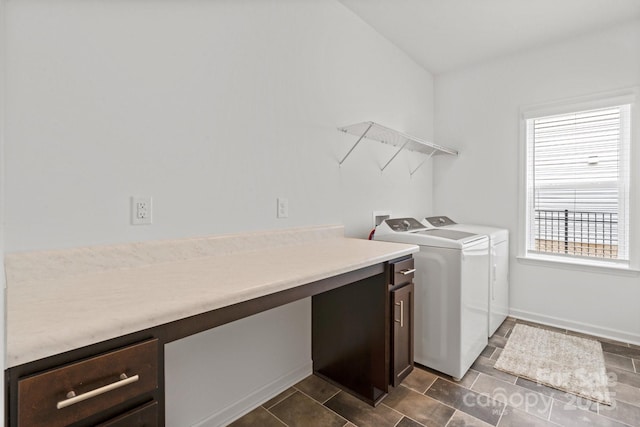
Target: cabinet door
(402,336)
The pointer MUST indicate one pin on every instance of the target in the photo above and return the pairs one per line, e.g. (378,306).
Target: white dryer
(498,265)
(451,293)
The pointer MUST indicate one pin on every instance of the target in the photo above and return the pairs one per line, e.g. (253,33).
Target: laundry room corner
(483,185)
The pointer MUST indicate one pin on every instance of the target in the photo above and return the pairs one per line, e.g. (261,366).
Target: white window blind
(578,183)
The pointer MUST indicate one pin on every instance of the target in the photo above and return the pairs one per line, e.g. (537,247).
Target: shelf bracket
(394,156)
(422,162)
(356,144)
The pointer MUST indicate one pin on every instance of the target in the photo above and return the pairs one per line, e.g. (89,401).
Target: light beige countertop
(61,300)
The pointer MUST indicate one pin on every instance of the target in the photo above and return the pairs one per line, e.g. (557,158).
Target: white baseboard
(585,328)
(236,410)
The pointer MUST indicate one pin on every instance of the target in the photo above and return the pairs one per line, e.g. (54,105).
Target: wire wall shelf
(377,132)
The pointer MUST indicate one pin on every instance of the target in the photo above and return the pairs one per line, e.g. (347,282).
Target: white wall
(477,110)
(208,374)
(2,204)
(214,109)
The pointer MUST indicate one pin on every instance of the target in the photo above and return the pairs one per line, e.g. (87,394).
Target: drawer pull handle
(401,321)
(407,271)
(72,399)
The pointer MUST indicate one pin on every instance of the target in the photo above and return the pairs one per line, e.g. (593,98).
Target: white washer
(498,265)
(451,293)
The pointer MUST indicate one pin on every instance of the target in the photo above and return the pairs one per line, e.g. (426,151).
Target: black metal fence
(591,234)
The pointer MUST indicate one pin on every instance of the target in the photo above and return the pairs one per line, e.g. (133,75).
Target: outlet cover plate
(283,208)
(141,210)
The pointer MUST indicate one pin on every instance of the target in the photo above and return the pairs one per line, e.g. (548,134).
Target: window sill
(573,264)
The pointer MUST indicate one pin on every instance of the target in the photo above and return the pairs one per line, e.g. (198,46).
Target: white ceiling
(444,35)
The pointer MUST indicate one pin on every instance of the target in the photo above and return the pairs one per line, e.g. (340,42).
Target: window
(577,183)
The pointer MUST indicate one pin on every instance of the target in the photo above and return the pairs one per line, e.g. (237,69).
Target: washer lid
(496,234)
(447,234)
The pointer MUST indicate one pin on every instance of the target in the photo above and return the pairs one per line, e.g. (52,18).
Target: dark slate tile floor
(484,397)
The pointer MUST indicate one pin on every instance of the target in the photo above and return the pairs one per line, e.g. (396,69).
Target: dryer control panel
(439,221)
(404,224)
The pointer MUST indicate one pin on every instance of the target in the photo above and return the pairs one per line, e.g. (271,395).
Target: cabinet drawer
(402,271)
(143,416)
(98,383)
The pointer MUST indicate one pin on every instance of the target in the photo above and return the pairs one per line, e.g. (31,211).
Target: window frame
(584,103)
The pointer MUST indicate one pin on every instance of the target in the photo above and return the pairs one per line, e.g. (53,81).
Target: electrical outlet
(141,210)
(283,208)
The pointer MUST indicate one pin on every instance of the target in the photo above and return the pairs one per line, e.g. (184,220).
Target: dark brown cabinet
(350,332)
(401,288)
(402,333)
(362,333)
